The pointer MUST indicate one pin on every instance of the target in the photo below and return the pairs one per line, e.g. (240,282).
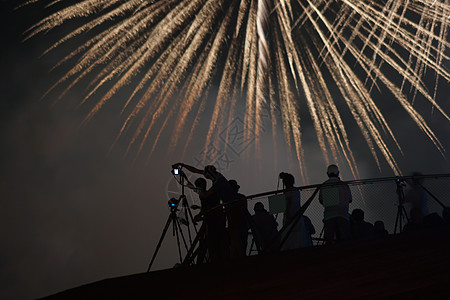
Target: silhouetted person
(417,197)
(241,209)
(433,221)
(215,221)
(446,216)
(379,230)
(266,229)
(309,226)
(335,198)
(360,229)
(229,197)
(298,236)
(415,221)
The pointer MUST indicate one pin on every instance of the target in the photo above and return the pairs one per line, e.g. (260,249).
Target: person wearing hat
(335,197)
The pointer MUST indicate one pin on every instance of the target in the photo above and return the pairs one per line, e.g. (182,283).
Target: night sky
(73,213)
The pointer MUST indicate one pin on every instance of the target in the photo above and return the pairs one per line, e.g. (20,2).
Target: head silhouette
(200,183)
(210,172)
(234,185)
(358,215)
(379,225)
(333,171)
(258,207)
(288,180)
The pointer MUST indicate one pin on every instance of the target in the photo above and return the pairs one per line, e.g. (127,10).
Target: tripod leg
(402,216)
(175,230)
(405,214)
(192,218)
(169,220)
(189,258)
(251,247)
(188,223)
(397,220)
(182,235)
(201,251)
(188,214)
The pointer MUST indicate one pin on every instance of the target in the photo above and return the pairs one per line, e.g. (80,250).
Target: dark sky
(71,214)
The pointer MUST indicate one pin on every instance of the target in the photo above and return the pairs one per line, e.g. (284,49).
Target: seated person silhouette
(360,229)
(309,226)
(379,229)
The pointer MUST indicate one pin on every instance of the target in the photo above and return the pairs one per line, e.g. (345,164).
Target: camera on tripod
(176,169)
(173,202)
(400,182)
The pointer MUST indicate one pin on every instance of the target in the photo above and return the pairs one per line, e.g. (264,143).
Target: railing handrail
(349,182)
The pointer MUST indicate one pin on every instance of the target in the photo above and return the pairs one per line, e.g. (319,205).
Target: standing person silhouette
(417,197)
(266,229)
(335,197)
(241,212)
(215,222)
(298,236)
(229,197)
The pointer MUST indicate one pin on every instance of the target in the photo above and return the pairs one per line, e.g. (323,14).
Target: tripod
(401,212)
(173,218)
(175,221)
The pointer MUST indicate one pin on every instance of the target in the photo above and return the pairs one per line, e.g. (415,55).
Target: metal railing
(381,199)
(378,198)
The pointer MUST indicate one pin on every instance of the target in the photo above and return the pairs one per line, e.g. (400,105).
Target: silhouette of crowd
(228,222)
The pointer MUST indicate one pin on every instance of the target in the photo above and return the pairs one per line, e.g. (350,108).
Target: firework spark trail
(269,52)
(296,70)
(225,102)
(207,68)
(345,75)
(419,120)
(124,8)
(262,26)
(408,107)
(441,50)
(181,58)
(250,63)
(225,86)
(407,72)
(181,67)
(390,8)
(359,97)
(291,120)
(333,121)
(405,38)
(164,72)
(200,78)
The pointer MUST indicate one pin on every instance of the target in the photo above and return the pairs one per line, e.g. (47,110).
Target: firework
(264,54)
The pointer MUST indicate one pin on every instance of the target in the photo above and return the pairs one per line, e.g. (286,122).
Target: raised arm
(189,168)
(200,192)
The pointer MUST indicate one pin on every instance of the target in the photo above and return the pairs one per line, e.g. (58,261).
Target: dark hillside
(414,265)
